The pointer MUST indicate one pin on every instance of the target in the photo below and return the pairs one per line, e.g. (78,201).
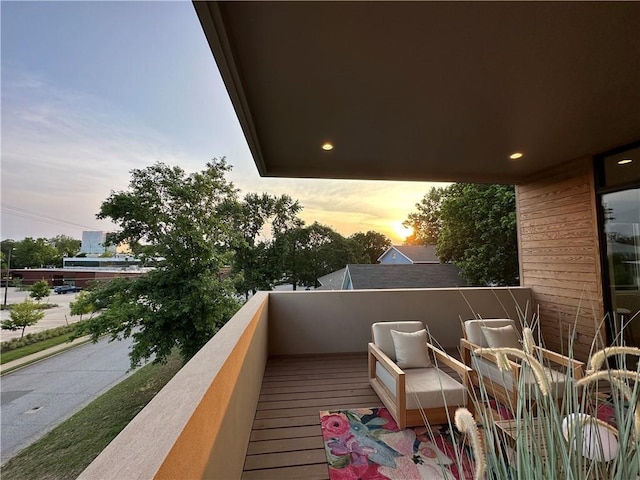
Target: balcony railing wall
(199,425)
(340,321)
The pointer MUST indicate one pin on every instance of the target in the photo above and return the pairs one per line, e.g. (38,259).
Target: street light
(6,283)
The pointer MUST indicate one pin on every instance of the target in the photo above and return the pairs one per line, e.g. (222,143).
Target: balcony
(211,420)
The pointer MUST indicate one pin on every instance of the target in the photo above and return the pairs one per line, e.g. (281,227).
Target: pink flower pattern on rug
(366,444)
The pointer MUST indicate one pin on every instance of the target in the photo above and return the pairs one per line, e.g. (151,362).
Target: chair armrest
(388,364)
(577,366)
(446,359)
(466,348)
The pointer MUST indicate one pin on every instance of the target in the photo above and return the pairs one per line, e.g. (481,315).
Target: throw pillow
(501,337)
(411,349)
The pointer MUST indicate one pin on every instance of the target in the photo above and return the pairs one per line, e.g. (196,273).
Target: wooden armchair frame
(500,392)
(396,404)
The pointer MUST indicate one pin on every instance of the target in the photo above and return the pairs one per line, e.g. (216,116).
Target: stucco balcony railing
(199,425)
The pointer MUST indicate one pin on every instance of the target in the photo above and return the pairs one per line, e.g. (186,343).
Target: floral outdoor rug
(366,444)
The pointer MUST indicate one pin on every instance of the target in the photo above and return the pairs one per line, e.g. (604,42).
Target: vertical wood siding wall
(559,253)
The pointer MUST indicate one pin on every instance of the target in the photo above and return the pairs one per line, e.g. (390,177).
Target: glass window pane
(622,236)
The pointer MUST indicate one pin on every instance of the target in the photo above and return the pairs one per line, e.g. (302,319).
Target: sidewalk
(34,357)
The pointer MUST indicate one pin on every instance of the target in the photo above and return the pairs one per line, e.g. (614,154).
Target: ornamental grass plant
(589,429)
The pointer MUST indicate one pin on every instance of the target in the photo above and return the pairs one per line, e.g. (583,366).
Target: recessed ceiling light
(327,146)
(624,161)
(515,156)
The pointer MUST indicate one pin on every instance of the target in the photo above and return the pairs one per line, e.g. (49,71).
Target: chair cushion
(432,387)
(488,372)
(411,349)
(474,333)
(501,337)
(381,332)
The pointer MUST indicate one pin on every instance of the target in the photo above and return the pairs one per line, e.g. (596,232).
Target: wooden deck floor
(286,441)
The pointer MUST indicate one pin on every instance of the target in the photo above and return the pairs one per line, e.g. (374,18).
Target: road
(35,399)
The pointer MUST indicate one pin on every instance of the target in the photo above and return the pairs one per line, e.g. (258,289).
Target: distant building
(409,254)
(80,277)
(118,262)
(93,243)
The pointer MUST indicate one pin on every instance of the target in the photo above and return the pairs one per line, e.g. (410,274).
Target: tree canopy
(261,220)
(182,219)
(313,251)
(474,226)
(39,252)
(372,244)
(22,315)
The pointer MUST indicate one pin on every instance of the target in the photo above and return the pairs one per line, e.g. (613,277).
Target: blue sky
(91,90)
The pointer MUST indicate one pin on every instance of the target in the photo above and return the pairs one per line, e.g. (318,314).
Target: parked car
(66,289)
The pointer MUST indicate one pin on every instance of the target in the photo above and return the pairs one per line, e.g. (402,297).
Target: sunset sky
(91,90)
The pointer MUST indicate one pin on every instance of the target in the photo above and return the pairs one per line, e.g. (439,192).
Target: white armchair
(404,372)
(503,386)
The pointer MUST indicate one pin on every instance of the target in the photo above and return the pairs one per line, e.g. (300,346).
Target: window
(618,175)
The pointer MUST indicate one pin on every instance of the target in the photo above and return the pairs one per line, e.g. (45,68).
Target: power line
(29,215)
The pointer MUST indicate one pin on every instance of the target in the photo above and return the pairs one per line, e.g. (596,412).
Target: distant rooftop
(424,275)
(413,253)
(332,281)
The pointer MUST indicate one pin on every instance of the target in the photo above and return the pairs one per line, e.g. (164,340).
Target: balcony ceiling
(427,90)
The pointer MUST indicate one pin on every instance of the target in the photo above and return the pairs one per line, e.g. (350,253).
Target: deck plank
(286,440)
(307,472)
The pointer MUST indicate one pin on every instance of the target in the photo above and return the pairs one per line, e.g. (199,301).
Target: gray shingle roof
(418,253)
(424,275)
(332,281)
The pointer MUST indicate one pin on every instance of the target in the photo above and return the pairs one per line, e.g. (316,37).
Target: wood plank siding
(286,441)
(559,253)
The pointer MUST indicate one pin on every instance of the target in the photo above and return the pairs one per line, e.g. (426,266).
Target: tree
(22,315)
(39,290)
(475,228)
(184,301)
(32,253)
(372,244)
(314,251)
(258,263)
(426,222)
(65,245)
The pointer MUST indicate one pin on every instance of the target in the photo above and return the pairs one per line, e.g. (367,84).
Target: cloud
(348,206)
(64,151)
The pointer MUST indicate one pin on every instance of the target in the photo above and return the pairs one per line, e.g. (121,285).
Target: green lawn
(67,450)
(33,348)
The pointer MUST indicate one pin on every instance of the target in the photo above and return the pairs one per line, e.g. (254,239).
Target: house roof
(441,91)
(332,281)
(416,253)
(421,275)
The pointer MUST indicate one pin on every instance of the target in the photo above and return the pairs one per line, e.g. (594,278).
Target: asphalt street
(36,398)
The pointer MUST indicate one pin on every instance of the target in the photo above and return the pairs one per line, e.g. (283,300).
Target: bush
(32,338)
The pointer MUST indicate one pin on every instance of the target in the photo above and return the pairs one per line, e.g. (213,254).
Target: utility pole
(6,284)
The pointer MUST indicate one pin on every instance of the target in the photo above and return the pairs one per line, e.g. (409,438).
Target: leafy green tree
(66,246)
(186,299)
(39,290)
(317,250)
(33,253)
(84,304)
(22,315)
(426,222)
(257,261)
(475,228)
(372,244)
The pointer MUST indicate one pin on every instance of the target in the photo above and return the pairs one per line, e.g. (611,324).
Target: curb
(36,357)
